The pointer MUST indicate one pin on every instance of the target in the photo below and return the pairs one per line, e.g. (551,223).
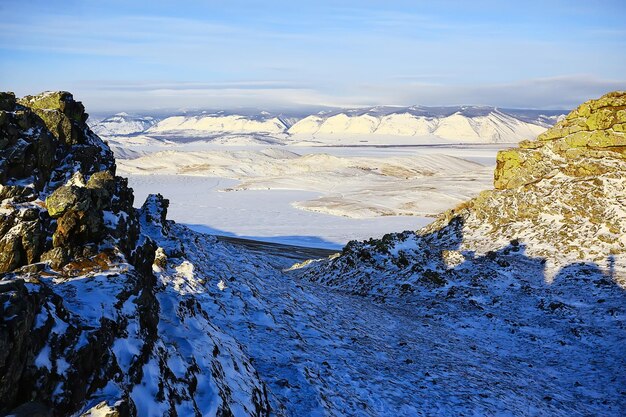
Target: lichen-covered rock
(49,154)
(60,113)
(79,312)
(65,198)
(578,145)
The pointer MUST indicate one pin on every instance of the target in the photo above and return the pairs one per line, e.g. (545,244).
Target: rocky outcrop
(64,117)
(590,141)
(47,154)
(80,311)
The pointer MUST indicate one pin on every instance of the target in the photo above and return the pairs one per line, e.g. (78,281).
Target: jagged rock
(154,212)
(79,312)
(67,198)
(7,101)
(102,186)
(60,113)
(152,217)
(16,193)
(577,145)
(76,228)
(11,251)
(18,342)
(33,240)
(57,100)
(56,257)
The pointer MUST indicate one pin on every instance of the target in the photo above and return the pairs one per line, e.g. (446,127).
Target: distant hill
(460,124)
(123,124)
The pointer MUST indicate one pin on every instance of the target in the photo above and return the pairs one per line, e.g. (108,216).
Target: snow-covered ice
(320,197)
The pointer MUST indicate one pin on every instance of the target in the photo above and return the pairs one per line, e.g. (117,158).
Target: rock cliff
(590,141)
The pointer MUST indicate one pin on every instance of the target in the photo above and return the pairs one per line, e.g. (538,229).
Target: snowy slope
(466,124)
(377,125)
(219,123)
(122,124)
(495,341)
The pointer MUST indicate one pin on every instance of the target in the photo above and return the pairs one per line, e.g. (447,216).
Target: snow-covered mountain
(461,124)
(378,125)
(221,122)
(122,124)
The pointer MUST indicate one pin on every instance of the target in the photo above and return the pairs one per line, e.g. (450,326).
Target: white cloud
(544,93)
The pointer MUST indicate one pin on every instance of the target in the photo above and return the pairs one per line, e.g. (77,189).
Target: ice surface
(321,197)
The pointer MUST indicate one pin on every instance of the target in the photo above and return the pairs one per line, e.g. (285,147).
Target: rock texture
(80,315)
(589,141)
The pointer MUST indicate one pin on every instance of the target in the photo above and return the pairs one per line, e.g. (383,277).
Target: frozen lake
(283,200)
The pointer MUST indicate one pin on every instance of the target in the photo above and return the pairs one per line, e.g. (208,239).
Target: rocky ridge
(81,311)
(561,198)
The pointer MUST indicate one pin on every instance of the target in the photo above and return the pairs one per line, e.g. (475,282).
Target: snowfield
(507,344)
(323,197)
(318,179)
(266,215)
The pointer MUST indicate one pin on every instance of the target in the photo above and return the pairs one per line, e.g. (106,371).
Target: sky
(154,55)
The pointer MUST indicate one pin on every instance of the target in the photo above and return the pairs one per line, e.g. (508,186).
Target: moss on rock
(596,124)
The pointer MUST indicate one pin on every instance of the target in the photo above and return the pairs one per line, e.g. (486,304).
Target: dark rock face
(79,313)
(61,205)
(47,154)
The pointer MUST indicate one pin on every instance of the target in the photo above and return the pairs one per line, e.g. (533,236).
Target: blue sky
(144,55)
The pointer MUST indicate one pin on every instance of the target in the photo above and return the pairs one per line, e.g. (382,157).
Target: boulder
(11,250)
(101,186)
(67,198)
(56,257)
(76,228)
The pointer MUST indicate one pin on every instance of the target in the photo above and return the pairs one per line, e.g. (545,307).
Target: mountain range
(417,124)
